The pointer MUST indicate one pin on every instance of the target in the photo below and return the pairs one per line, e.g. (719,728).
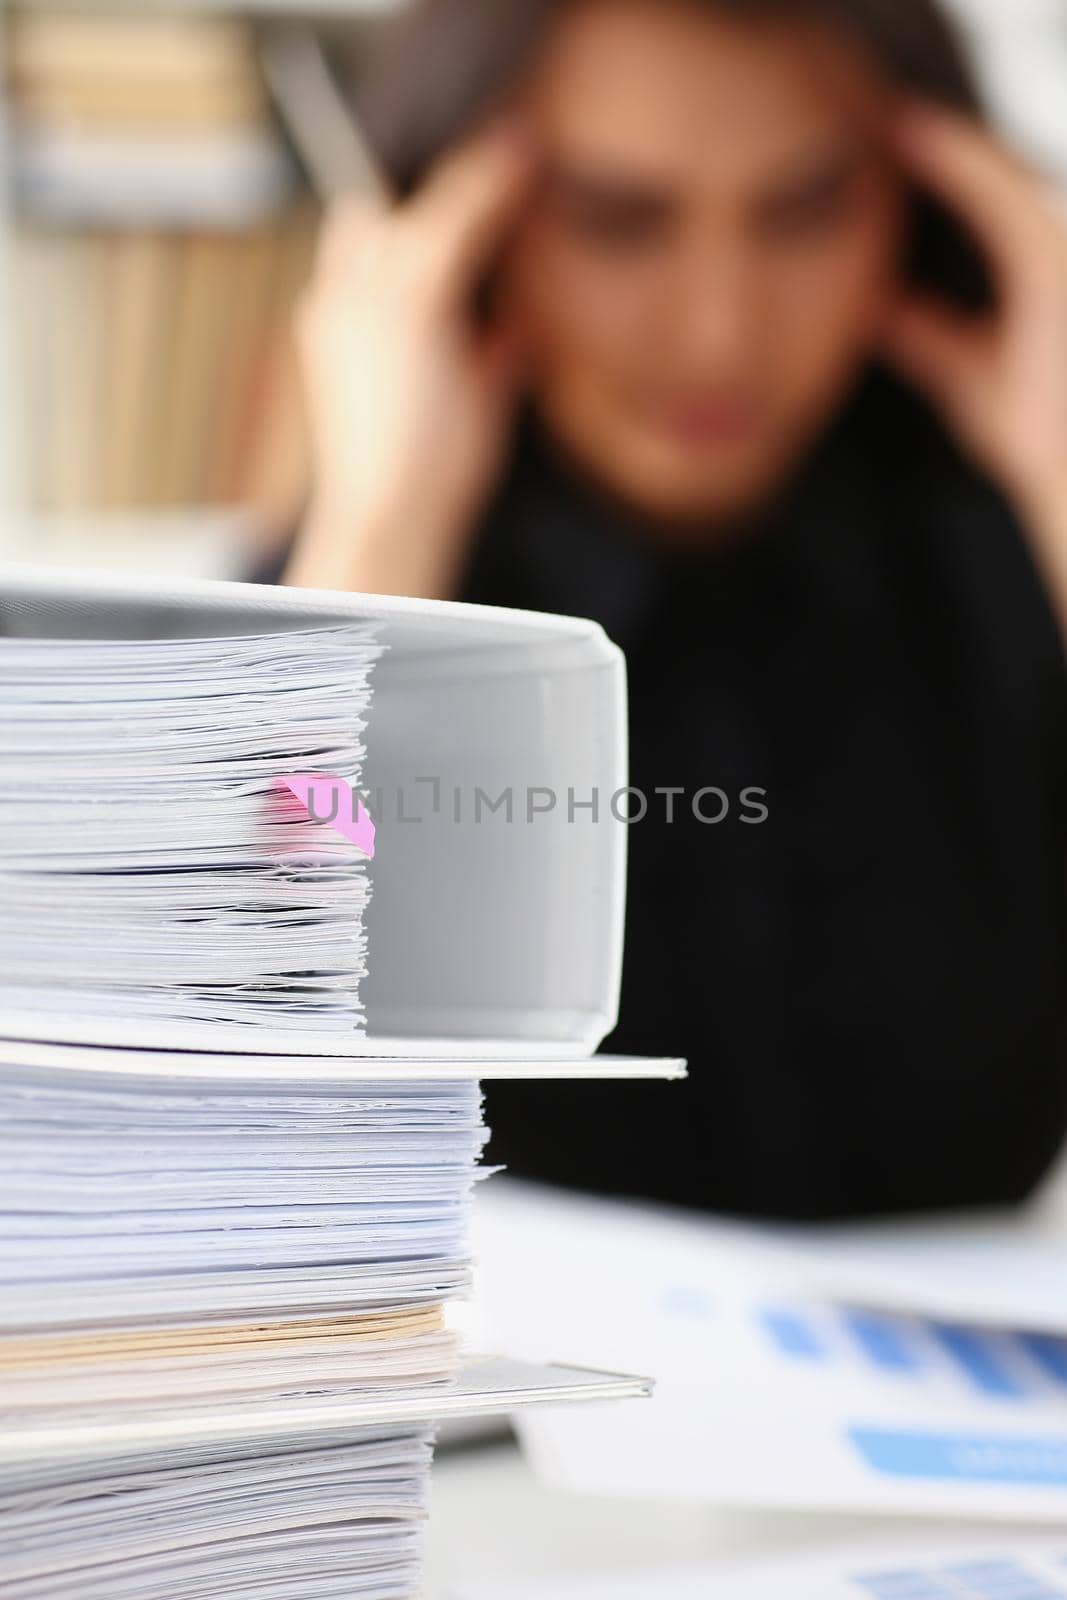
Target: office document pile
(226,1268)
(125,1199)
(151,863)
(184,1260)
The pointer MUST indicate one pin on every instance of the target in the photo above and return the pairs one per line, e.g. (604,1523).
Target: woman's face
(708,260)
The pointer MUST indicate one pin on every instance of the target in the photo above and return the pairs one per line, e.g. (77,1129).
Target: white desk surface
(490,1520)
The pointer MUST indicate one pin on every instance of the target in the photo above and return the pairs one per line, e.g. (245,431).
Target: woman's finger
(343,235)
(933,347)
(987,187)
(460,216)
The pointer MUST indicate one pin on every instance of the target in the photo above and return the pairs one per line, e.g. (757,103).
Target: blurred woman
(727,323)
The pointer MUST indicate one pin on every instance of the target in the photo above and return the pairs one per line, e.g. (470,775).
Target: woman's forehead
(667,91)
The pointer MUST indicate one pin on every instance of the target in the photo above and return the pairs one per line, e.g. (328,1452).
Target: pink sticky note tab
(332,802)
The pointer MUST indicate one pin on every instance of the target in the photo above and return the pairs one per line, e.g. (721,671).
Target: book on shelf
(142,118)
(162,231)
(241,1047)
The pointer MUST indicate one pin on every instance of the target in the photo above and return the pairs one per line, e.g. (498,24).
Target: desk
(491,1520)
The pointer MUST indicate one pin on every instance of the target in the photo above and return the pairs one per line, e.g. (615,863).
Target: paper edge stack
(484,1387)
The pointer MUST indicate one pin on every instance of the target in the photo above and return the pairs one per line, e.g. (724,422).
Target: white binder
(490,939)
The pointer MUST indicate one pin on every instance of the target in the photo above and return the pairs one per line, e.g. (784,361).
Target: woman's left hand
(999,380)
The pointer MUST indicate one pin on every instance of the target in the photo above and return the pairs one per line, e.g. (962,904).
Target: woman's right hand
(409,402)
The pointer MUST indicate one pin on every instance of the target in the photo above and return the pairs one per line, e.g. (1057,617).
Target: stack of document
(324,1498)
(233,1214)
(167,1238)
(223,1341)
(142,793)
(175,1252)
(229,1519)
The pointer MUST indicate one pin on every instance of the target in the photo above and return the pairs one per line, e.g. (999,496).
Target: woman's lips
(707,423)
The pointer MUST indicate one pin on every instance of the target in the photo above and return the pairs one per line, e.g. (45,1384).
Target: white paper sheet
(1002,1270)
(766,1395)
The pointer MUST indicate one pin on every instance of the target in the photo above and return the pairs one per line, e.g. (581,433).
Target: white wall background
(1020,47)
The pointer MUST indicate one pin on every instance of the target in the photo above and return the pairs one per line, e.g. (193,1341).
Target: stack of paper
(216,1275)
(318,1499)
(225,1278)
(239,1208)
(234,1519)
(173,1250)
(141,794)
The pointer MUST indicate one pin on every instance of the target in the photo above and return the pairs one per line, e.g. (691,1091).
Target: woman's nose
(715,307)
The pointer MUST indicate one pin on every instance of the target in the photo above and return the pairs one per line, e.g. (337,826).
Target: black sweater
(869,985)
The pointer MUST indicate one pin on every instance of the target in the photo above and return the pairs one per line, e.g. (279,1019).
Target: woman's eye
(819,210)
(610,220)
(615,226)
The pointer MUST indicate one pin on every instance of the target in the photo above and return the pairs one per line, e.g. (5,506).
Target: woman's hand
(999,381)
(409,402)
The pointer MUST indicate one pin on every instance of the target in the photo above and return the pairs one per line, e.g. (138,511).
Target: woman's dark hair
(444,65)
